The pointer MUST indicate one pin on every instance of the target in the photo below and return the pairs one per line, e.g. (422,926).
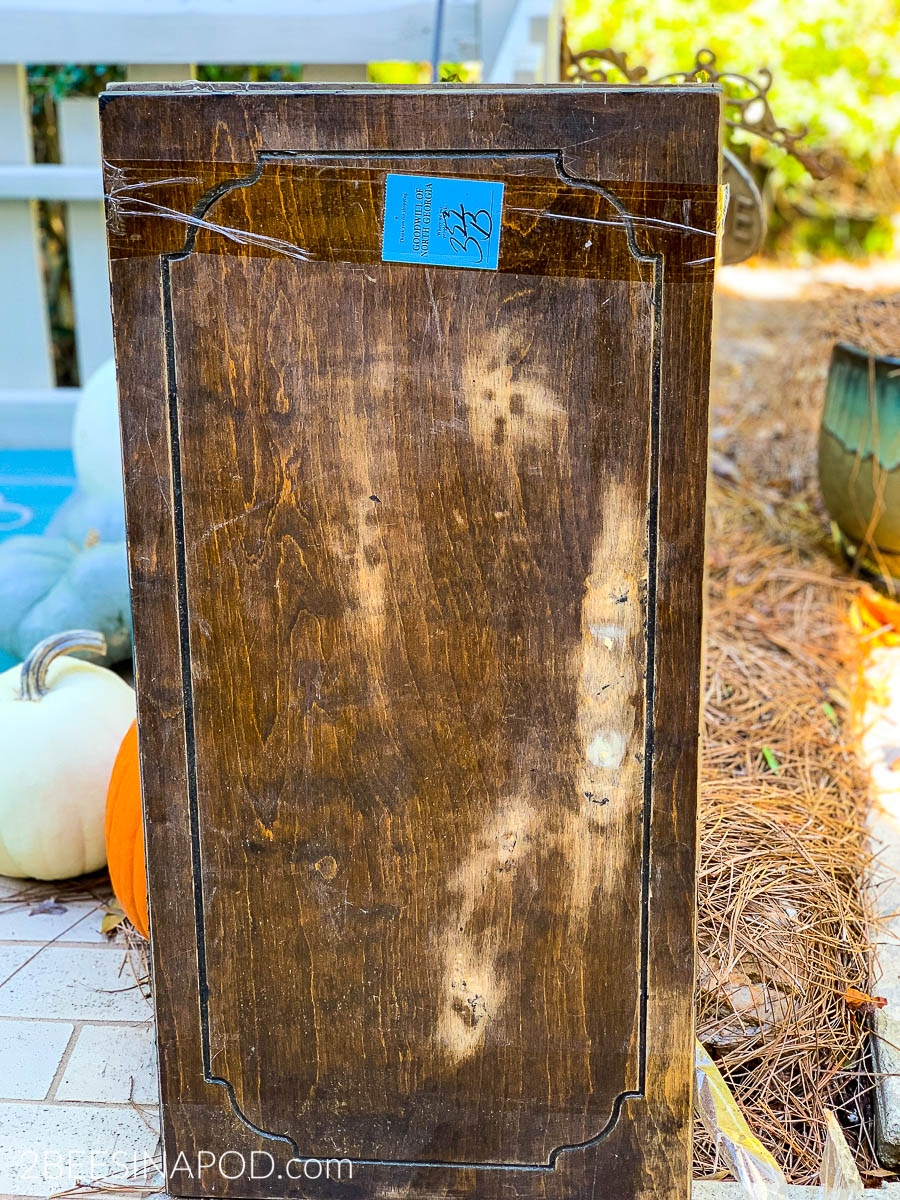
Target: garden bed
(784,921)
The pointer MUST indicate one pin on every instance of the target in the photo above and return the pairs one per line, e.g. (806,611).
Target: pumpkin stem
(33,684)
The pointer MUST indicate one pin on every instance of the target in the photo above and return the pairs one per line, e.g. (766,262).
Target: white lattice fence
(516,41)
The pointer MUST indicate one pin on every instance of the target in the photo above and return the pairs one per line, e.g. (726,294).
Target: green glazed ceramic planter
(859,455)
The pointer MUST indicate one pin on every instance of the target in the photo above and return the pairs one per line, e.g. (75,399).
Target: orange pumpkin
(125,834)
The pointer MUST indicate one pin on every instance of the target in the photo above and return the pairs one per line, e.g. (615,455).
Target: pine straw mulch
(784,919)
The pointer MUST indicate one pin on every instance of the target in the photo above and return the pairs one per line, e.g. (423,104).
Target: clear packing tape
(551,223)
(749,1161)
(723,199)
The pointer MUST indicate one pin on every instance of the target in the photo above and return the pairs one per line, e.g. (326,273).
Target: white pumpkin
(62,721)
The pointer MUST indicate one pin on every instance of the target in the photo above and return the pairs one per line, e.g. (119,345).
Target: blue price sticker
(442,221)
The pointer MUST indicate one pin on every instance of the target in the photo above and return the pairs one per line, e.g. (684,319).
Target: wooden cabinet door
(413,389)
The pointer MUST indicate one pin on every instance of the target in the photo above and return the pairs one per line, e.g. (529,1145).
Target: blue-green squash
(48,584)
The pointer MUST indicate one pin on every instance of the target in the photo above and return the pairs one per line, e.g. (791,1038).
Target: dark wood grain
(416,558)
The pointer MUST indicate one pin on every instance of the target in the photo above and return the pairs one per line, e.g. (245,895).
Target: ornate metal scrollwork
(747,107)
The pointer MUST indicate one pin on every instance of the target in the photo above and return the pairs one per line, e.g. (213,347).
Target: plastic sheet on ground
(743,1153)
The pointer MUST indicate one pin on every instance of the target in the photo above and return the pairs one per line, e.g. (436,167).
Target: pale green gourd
(97,506)
(48,584)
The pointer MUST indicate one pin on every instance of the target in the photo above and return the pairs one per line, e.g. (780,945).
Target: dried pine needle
(784,919)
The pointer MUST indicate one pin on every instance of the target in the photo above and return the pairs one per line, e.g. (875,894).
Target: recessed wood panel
(416,561)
